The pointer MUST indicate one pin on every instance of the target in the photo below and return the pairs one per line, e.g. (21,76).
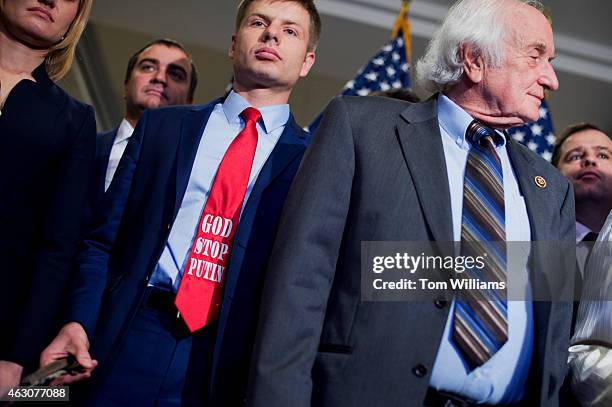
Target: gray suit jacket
(375,171)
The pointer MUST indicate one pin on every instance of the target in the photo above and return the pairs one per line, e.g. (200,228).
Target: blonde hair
(60,56)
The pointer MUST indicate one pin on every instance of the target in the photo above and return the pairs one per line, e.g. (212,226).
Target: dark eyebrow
(150,60)
(178,67)
(284,22)
(263,16)
(575,149)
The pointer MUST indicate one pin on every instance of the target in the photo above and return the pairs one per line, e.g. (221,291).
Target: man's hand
(72,339)
(10,376)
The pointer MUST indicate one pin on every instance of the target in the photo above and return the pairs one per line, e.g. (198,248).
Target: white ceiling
(583,33)
(353,30)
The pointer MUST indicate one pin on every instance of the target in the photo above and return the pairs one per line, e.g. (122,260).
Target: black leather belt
(161,300)
(435,398)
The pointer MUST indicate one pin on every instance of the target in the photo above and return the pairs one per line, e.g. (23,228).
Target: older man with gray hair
(442,170)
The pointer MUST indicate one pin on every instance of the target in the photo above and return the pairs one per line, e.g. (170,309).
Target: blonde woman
(47,145)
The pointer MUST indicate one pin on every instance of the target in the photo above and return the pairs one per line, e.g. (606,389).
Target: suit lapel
(192,129)
(289,145)
(535,200)
(287,148)
(536,204)
(419,137)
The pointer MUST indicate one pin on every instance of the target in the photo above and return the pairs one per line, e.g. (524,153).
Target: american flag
(539,136)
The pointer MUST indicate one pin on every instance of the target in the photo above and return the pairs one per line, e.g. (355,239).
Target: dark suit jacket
(47,142)
(139,210)
(375,171)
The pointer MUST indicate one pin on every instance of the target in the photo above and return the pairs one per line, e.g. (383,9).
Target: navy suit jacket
(47,143)
(134,222)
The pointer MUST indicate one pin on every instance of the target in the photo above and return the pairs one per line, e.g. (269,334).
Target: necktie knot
(479,134)
(590,237)
(250,114)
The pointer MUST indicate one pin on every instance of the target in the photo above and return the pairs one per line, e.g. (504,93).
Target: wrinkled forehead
(528,28)
(587,139)
(164,53)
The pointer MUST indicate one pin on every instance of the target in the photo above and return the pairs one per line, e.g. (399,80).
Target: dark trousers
(159,363)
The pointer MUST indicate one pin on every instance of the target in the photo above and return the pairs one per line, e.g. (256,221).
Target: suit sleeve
(92,262)
(302,266)
(61,232)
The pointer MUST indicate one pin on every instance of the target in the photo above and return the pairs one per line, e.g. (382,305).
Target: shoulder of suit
(179,111)
(385,108)
(371,102)
(74,111)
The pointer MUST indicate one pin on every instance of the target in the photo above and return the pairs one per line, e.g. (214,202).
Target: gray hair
(476,22)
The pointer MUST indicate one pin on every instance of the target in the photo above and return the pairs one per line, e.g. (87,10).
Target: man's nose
(270,33)
(548,78)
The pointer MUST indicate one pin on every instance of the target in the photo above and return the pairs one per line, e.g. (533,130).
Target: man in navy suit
(159,74)
(133,261)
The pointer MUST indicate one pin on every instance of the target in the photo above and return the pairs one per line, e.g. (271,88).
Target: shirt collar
(124,131)
(272,117)
(581,231)
(455,121)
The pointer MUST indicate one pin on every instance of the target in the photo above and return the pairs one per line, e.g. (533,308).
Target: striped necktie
(481,318)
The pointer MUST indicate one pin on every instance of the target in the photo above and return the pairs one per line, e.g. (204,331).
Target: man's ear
(232,47)
(309,61)
(473,63)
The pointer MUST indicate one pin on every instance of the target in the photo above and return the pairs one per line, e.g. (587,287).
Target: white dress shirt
(223,126)
(124,132)
(582,248)
(502,378)
(590,359)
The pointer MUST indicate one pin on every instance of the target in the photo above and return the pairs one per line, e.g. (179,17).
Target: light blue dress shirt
(223,126)
(502,378)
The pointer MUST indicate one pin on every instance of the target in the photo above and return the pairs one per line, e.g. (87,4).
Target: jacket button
(440,302)
(419,370)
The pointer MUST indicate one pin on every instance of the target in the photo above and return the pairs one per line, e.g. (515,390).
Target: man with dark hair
(583,153)
(159,74)
(170,280)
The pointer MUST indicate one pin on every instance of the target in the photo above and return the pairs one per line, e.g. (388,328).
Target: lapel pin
(540,181)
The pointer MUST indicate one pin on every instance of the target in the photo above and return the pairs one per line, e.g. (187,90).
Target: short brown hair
(569,130)
(170,43)
(58,60)
(308,5)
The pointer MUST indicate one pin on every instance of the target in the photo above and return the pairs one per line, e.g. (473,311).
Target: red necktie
(199,294)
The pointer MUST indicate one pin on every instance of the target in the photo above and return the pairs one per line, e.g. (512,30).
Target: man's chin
(152,104)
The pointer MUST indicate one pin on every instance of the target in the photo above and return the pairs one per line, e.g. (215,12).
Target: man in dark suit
(386,170)
(583,153)
(159,74)
(153,343)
